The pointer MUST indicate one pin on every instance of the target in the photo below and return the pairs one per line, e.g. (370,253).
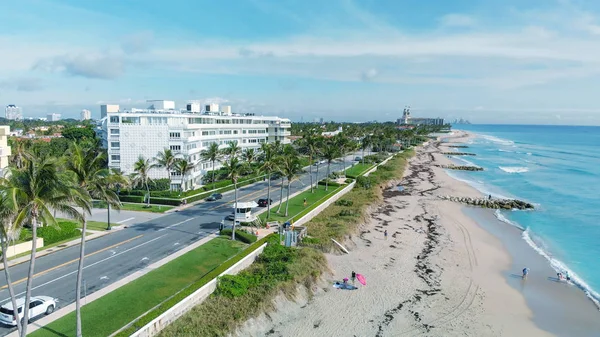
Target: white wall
(23,247)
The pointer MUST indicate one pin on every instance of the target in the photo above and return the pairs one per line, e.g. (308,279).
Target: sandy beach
(438,273)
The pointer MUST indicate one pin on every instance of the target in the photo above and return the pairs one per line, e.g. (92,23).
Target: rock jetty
(461,167)
(459,146)
(459,154)
(490,203)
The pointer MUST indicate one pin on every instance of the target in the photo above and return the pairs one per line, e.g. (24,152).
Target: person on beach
(559,276)
(353,276)
(525,272)
(490,196)
(567,276)
(304,202)
(385,234)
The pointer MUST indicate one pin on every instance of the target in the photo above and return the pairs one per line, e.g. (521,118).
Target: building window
(115,145)
(114,119)
(114,131)
(115,157)
(235,132)
(243,131)
(175,147)
(174,135)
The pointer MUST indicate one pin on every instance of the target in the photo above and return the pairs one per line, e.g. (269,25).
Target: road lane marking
(74,260)
(177,224)
(86,267)
(123,221)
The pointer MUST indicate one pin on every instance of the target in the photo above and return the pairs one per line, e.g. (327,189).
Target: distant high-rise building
(13,113)
(53,117)
(321,120)
(86,115)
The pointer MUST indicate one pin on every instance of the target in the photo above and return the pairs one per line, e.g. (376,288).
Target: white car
(39,305)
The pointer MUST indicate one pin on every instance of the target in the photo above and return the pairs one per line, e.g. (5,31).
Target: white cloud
(457,20)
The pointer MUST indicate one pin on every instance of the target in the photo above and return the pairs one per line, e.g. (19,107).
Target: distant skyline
(488,61)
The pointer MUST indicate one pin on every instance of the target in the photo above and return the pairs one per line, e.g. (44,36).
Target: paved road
(119,254)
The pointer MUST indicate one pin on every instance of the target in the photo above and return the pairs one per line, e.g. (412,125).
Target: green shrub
(349,180)
(131,198)
(163,184)
(329,183)
(165,201)
(344,202)
(65,230)
(311,241)
(240,235)
(365,182)
(349,212)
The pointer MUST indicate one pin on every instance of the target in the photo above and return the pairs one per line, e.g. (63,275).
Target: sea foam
(514,169)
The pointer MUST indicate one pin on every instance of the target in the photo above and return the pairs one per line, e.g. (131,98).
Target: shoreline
(438,273)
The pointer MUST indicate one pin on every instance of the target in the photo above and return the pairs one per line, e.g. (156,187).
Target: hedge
(65,230)
(159,310)
(240,235)
(330,183)
(131,198)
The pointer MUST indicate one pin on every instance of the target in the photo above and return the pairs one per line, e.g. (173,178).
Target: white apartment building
(145,132)
(53,117)
(4,148)
(13,112)
(86,115)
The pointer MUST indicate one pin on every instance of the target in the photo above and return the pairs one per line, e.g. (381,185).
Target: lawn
(296,209)
(358,169)
(126,206)
(118,308)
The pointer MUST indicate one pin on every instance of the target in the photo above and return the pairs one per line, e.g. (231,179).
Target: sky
(489,61)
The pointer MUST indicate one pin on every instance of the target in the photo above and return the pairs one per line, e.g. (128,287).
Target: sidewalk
(74,242)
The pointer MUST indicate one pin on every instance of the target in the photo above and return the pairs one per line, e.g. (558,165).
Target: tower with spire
(406,115)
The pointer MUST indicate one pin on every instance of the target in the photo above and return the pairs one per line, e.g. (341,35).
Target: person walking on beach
(353,277)
(385,234)
(525,272)
(567,276)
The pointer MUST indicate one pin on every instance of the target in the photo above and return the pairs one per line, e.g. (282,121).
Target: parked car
(214,196)
(263,202)
(357,159)
(39,305)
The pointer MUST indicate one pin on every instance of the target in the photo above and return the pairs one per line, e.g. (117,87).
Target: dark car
(214,196)
(263,202)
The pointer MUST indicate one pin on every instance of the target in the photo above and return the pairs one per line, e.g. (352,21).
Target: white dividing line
(122,221)
(177,224)
(86,267)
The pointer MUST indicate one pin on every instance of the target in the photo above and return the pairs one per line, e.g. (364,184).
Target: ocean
(557,168)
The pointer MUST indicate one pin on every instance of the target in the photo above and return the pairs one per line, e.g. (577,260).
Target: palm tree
(234,169)
(183,167)
(268,166)
(309,146)
(18,153)
(166,159)
(364,144)
(213,154)
(343,144)
(249,156)
(87,168)
(9,232)
(37,188)
(115,180)
(285,151)
(330,152)
(232,149)
(140,176)
(290,166)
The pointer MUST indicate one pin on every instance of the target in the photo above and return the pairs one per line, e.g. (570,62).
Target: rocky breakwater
(458,146)
(490,203)
(461,167)
(459,154)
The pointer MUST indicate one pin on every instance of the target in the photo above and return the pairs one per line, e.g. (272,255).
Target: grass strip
(148,317)
(358,170)
(121,306)
(296,208)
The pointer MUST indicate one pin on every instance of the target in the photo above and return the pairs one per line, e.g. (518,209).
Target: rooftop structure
(129,134)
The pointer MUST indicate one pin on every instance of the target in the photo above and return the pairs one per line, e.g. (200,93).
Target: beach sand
(438,273)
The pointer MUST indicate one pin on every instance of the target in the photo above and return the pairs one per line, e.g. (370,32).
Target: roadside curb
(94,296)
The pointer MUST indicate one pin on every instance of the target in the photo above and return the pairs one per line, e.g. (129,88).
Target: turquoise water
(557,168)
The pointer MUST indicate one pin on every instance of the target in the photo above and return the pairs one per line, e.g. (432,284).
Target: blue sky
(490,61)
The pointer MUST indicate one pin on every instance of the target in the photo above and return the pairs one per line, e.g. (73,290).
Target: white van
(39,305)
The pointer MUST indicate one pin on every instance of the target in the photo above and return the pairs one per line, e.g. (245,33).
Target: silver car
(39,305)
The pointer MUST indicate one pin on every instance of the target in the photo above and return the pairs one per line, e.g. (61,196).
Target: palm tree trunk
(327,177)
(310,173)
(108,218)
(30,275)
(317,184)
(213,174)
(80,276)
(280,196)
(268,194)
(148,191)
(363,156)
(287,203)
(11,290)
(234,211)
